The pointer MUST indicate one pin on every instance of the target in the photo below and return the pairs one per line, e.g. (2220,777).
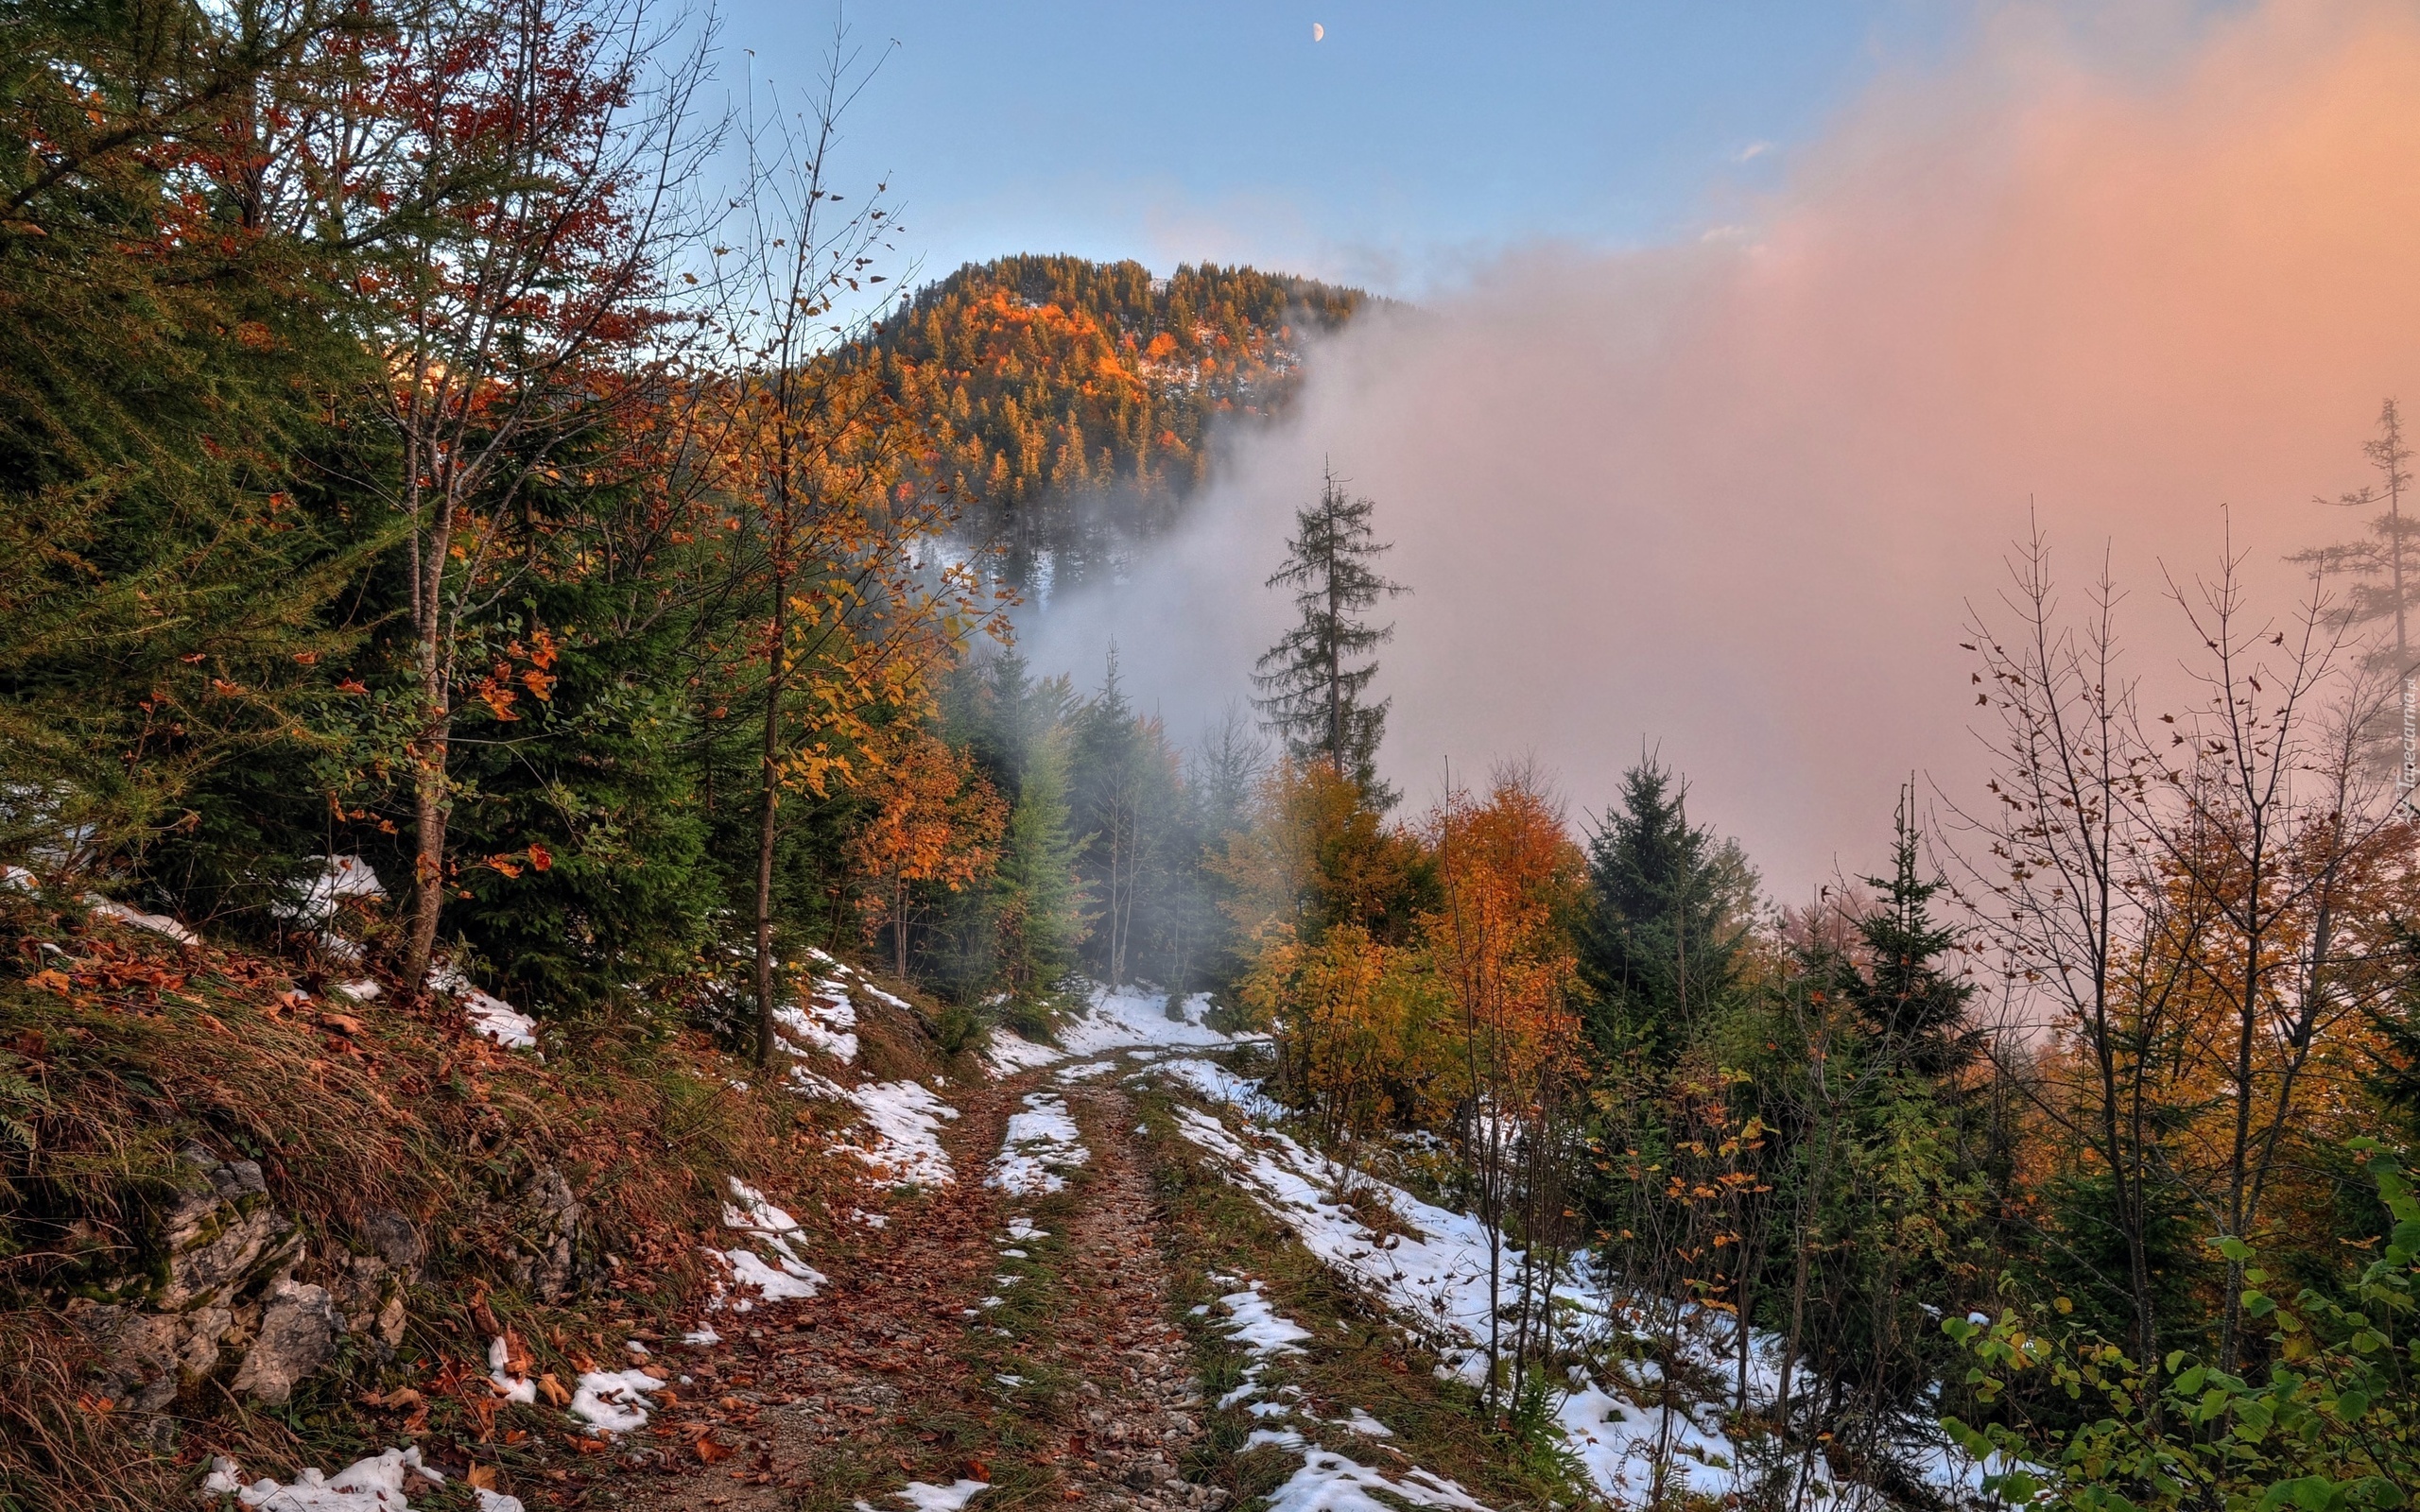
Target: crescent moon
(1318,33)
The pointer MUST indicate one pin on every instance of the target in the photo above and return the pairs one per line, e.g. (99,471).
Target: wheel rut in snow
(1020,1338)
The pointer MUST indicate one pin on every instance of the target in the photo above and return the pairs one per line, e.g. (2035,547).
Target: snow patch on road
(925,1497)
(903,1120)
(1214,1083)
(1127,1019)
(1041,1141)
(615,1400)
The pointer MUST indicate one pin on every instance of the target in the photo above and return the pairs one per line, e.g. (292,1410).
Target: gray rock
(298,1334)
(147,1359)
(369,1293)
(393,1238)
(138,1354)
(550,1232)
(220,1235)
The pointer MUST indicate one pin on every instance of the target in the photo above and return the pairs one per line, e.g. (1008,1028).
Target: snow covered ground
(1435,1280)
(827,1020)
(1327,1481)
(786,1276)
(1133,1020)
(137,919)
(490,1015)
(377,1483)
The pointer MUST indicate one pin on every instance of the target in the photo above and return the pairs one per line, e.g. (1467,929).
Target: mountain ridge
(1074,404)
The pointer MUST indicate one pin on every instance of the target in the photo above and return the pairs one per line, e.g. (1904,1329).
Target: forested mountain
(1075,403)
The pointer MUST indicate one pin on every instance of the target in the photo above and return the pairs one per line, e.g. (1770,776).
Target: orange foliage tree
(936,821)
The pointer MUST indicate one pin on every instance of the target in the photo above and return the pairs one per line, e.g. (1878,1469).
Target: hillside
(1077,403)
(339,1251)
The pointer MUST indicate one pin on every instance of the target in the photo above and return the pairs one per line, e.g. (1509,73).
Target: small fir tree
(1913,1007)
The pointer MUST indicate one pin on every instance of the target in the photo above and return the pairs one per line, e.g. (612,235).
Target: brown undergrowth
(120,1048)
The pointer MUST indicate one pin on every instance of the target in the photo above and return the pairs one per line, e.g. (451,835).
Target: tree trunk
(776,664)
(431,752)
(430,811)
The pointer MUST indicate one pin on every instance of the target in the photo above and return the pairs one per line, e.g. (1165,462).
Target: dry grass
(55,1453)
(119,1048)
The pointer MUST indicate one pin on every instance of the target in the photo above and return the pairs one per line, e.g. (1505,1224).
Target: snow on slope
(1326,1481)
(788,1277)
(1130,1020)
(827,1020)
(903,1133)
(1113,1020)
(1435,1279)
(372,1484)
(490,1015)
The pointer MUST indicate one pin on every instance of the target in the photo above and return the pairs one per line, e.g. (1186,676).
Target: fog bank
(1730,499)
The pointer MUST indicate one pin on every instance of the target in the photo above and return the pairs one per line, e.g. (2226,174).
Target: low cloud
(1728,499)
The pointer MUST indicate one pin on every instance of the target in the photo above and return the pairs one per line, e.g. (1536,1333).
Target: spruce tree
(1914,1010)
(2385,567)
(1666,917)
(1313,680)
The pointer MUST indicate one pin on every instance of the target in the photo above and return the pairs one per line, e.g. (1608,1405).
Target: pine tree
(2385,568)
(1313,680)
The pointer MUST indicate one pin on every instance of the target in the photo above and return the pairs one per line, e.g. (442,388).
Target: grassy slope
(1356,1358)
(118,1047)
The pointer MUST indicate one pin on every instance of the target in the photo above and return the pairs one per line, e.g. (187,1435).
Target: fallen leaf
(481,1477)
(709,1451)
(553,1391)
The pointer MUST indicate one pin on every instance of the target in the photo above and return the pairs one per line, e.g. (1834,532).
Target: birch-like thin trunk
(776,665)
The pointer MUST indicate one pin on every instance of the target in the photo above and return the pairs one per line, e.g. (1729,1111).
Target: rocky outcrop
(223,1287)
(147,1358)
(367,1288)
(219,1237)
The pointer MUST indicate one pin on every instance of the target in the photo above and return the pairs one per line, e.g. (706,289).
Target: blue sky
(1417,138)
